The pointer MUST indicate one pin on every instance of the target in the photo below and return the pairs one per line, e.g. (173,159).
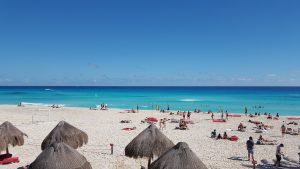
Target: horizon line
(139,86)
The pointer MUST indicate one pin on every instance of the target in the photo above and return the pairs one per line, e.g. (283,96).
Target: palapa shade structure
(178,157)
(148,143)
(10,135)
(60,156)
(64,132)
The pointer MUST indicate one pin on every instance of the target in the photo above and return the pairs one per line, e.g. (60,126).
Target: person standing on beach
(283,130)
(222,115)
(212,115)
(250,147)
(278,155)
(189,115)
(137,108)
(246,111)
(226,115)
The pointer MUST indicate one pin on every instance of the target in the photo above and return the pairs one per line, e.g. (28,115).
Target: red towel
(151,119)
(293,118)
(234,138)
(219,120)
(10,160)
(128,129)
(235,115)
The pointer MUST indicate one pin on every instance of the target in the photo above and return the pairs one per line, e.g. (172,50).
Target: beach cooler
(7,159)
(234,138)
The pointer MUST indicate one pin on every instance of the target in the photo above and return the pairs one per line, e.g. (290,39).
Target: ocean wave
(49,89)
(41,104)
(294,95)
(189,100)
(15,93)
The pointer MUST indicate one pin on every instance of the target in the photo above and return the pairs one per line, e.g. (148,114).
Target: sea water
(282,100)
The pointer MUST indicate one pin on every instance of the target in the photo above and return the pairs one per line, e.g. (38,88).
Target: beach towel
(219,120)
(9,160)
(128,129)
(151,119)
(293,118)
(235,115)
(234,138)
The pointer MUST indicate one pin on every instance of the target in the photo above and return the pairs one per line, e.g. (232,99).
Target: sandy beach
(103,127)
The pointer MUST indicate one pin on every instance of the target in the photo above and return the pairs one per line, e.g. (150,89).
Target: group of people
(162,123)
(250,149)
(103,106)
(219,136)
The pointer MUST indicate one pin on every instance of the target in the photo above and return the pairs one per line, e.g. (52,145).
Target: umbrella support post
(111,149)
(7,152)
(149,162)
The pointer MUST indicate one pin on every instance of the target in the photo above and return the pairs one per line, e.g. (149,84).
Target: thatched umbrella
(64,132)
(60,156)
(148,143)
(10,135)
(178,157)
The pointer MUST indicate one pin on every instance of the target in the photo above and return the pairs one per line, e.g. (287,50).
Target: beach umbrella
(60,156)
(10,135)
(148,143)
(178,157)
(64,132)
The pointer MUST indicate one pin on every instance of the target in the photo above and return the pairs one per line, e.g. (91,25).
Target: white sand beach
(103,127)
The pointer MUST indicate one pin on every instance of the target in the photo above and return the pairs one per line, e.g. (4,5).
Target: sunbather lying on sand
(265,140)
(125,121)
(241,127)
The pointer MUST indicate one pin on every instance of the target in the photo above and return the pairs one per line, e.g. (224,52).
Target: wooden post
(111,148)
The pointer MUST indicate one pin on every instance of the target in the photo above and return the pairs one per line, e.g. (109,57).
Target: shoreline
(122,109)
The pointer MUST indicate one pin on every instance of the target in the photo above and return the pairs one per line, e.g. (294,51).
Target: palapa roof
(60,156)
(10,135)
(178,157)
(64,132)
(148,143)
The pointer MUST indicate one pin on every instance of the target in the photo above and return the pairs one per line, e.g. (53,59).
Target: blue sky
(143,42)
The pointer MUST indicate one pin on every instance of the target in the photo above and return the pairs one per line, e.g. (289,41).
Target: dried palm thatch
(10,135)
(150,142)
(64,132)
(178,157)
(60,156)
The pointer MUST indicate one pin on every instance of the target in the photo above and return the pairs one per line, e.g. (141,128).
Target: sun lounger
(219,120)
(174,121)
(293,118)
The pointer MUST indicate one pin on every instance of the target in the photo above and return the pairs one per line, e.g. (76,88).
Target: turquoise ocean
(282,100)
